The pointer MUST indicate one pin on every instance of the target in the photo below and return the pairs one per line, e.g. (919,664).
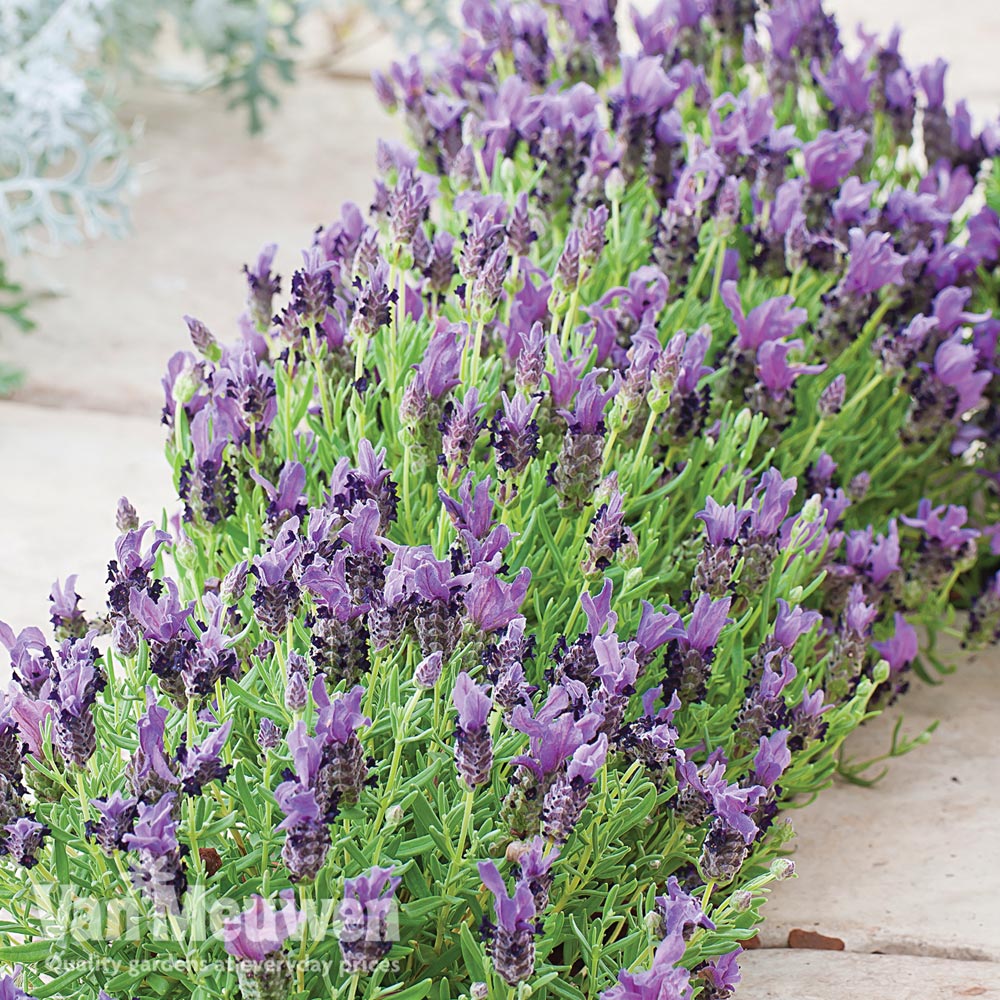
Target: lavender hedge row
(542,546)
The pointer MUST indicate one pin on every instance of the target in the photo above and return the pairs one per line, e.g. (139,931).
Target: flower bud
(124,640)
(126,519)
(235,584)
(782,868)
(614,185)
(187,384)
(741,900)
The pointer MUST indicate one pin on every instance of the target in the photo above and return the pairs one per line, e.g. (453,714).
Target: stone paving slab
(811,975)
(909,866)
(210,197)
(63,475)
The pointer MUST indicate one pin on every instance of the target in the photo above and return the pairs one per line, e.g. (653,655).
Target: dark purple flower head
(261,931)
(512,945)
(772,758)
(831,156)
(774,319)
(67,618)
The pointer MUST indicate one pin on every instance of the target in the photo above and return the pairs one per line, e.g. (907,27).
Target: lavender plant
(542,546)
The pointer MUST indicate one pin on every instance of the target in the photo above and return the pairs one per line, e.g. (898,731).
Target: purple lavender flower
(473,742)
(901,648)
(368,918)
(535,862)
(344,769)
(209,658)
(287,499)
(831,156)
(277,595)
(158,873)
(662,980)
(514,432)
(774,319)
(31,659)
(9,988)
(772,758)
(76,683)
(117,819)
(492,604)
(775,373)
(149,771)
(872,264)
(566,796)
(23,840)
(67,618)
(256,939)
(722,975)
(269,736)
(307,839)
(262,287)
(460,428)
(690,657)
(203,763)
(511,939)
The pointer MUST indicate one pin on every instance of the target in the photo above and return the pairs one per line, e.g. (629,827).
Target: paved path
(908,868)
